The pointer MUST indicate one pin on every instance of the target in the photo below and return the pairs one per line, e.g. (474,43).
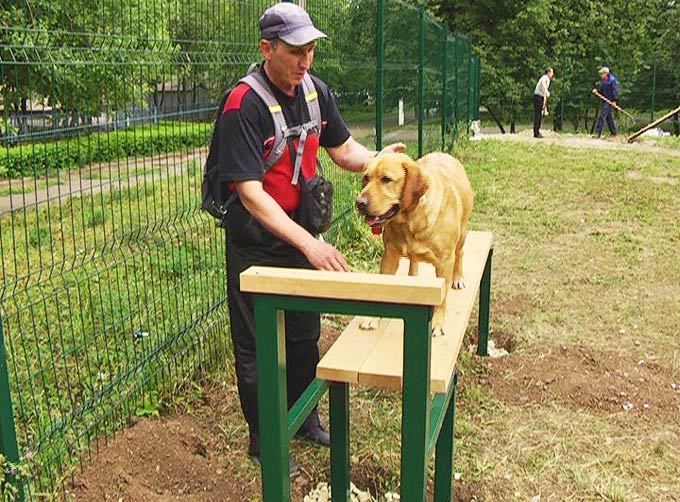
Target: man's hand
(614,104)
(393,148)
(323,256)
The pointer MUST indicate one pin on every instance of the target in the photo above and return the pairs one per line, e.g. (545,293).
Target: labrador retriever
(422,210)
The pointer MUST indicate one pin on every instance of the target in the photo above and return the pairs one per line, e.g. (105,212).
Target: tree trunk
(23,117)
(676,124)
(495,118)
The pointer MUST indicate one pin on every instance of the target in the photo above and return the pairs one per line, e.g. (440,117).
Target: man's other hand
(323,256)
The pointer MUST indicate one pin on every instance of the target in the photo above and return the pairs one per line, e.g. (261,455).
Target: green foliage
(149,406)
(10,476)
(48,158)
(518,40)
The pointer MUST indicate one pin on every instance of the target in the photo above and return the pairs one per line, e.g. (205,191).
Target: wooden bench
(375,358)
(401,353)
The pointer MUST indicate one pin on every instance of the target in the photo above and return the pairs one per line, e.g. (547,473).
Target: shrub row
(39,159)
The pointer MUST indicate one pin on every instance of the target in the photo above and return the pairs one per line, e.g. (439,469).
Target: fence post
(653,89)
(380,77)
(421,76)
(8,435)
(445,77)
(563,95)
(455,101)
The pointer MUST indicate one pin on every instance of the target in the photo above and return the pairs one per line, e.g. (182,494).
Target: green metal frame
(380,73)
(8,434)
(427,423)
(484,308)
(421,76)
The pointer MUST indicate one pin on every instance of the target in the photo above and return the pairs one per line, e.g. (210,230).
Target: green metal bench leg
(416,405)
(443,462)
(484,306)
(339,423)
(273,407)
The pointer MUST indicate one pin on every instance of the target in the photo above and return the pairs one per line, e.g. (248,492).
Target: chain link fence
(113,283)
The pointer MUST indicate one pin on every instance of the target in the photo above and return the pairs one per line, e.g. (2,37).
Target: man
(541,95)
(609,88)
(260,226)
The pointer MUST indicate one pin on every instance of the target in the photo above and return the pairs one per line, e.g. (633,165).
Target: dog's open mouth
(379,221)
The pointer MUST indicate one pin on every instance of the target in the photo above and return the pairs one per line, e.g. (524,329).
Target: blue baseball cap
(289,22)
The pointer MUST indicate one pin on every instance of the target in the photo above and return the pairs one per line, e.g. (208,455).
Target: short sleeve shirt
(246,128)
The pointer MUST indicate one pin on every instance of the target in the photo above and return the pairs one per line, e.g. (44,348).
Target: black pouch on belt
(315,213)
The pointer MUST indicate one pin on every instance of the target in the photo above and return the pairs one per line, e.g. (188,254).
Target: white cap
(604,69)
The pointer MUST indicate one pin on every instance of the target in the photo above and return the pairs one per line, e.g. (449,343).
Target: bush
(38,159)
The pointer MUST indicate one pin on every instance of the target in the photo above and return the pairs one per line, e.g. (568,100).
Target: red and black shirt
(246,136)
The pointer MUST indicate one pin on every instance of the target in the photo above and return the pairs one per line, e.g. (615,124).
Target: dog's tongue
(376,230)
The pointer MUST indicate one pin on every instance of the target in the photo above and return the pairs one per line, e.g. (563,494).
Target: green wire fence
(113,283)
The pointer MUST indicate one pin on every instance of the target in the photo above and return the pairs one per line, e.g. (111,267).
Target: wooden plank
(384,365)
(344,359)
(646,128)
(343,285)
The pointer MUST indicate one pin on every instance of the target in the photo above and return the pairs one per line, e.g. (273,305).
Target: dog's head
(392,184)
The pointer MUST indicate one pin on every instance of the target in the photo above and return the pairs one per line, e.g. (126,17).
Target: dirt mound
(161,460)
(600,381)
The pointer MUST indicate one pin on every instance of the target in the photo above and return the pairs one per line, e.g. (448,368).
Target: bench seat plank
(375,358)
(343,286)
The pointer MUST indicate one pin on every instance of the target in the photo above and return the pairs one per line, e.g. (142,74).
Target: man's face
(288,63)
(603,76)
(550,74)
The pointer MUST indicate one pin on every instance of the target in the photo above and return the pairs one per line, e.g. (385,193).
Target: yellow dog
(422,209)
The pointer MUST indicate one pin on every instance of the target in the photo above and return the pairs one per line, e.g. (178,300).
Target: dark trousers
(605,116)
(539,101)
(249,243)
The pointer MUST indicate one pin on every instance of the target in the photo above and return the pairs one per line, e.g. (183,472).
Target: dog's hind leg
(458,279)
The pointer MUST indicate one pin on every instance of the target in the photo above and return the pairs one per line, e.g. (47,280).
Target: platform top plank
(343,285)
(376,358)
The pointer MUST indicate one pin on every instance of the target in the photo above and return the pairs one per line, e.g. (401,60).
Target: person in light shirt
(541,95)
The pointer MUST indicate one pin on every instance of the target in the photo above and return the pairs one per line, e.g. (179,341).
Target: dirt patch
(582,141)
(635,174)
(599,381)
(176,458)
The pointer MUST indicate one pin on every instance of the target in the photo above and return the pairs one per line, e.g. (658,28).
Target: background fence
(113,285)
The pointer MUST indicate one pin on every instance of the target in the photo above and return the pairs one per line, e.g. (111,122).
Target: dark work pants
(538,113)
(249,243)
(605,116)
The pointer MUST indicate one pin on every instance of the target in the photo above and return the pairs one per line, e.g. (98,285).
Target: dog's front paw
(370,324)
(458,283)
(437,330)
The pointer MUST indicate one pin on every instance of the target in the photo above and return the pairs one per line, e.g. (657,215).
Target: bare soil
(580,377)
(582,141)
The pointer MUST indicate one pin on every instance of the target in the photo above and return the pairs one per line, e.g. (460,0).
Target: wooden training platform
(375,358)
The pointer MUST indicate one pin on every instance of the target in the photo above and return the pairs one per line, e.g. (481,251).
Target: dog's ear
(415,185)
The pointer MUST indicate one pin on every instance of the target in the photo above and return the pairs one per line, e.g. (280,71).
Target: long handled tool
(653,124)
(545,111)
(614,105)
